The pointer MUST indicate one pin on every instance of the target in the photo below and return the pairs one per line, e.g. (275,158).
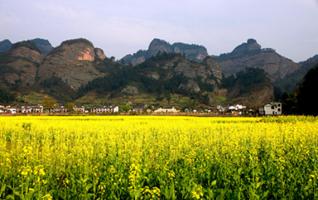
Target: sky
(121,27)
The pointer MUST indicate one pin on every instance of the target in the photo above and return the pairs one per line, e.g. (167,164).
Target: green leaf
(213,183)
(3,188)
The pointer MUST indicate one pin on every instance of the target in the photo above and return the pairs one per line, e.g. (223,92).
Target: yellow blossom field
(151,157)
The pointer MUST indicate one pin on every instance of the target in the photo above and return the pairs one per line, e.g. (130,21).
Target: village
(273,108)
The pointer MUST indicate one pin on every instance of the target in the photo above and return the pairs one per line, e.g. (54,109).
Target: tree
(307,98)
(126,107)
(49,103)
(70,106)
(5,96)
(289,102)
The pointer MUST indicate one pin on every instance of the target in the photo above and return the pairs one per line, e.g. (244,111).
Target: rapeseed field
(147,157)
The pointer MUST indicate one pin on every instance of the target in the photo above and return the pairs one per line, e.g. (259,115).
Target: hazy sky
(124,26)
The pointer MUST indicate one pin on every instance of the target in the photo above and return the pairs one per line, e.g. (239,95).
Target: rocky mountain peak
(192,52)
(19,68)
(5,45)
(27,50)
(250,46)
(77,49)
(25,44)
(99,53)
(313,60)
(159,46)
(74,62)
(78,41)
(251,55)
(43,45)
(251,41)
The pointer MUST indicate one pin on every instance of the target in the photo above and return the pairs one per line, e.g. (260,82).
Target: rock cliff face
(159,46)
(160,77)
(74,62)
(18,66)
(251,55)
(99,54)
(193,52)
(190,51)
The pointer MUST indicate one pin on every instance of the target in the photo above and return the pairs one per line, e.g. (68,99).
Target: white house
(116,109)
(273,108)
(166,110)
(220,108)
(237,107)
(12,110)
(102,109)
(105,109)
(2,109)
(79,109)
(32,109)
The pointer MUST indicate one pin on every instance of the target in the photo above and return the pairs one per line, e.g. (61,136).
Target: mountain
(43,45)
(75,62)
(290,82)
(5,45)
(178,74)
(250,87)
(159,78)
(18,66)
(190,51)
(251,55)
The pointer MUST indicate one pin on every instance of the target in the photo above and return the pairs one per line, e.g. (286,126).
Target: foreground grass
(158,158)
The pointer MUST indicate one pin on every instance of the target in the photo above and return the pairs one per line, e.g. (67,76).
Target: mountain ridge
(170,74)
(191,51)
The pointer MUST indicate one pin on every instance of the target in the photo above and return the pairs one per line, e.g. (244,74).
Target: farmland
(146,157)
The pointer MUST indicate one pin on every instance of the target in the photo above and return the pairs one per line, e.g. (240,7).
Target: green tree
(126,107)
(306,98)
(49,103)
(70,106)
(6,97)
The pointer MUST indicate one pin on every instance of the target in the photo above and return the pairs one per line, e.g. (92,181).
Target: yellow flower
(171,174)
(25,171)
(47,197)
(41,172)
(197,192)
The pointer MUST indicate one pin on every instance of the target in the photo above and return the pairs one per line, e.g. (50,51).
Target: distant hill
(179,74)
(190,51)
(251,55)
(18,66)
(160,77)
(290,82)
(5,45)
(250,87)
(43,45)
(75,62)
